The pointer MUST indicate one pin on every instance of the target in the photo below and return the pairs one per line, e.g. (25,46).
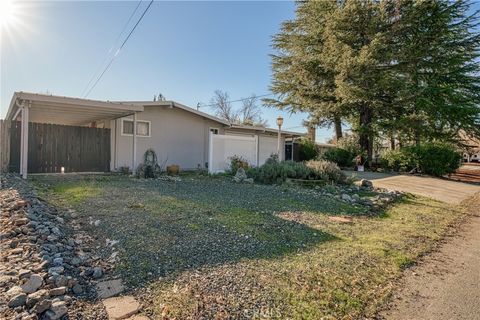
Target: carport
(27,109)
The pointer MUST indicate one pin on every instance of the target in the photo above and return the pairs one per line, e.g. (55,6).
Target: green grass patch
(254,251)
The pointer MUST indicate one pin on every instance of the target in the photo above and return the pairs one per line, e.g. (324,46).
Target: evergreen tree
(301,78)
(437,69)
(405,69)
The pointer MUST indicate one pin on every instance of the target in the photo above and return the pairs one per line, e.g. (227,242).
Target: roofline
(181,106)
(258,128)
(208,116)
(134,106)
(21,95)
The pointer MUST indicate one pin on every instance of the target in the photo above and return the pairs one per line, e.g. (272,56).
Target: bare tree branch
(248,114)
(223,108)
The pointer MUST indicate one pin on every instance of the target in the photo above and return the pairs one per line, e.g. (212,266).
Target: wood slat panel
(51,146)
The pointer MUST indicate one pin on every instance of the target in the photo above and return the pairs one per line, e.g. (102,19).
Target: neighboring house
(89,135)
(471,152)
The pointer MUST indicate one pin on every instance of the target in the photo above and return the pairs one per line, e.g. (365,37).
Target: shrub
(326,170)
(237,162)
(307,150)
(350,143)
(274,171)
(436,159)
(342,157)
(278,172)
(399,160)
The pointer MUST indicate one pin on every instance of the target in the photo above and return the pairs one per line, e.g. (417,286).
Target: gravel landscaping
(205,247)
(47,269)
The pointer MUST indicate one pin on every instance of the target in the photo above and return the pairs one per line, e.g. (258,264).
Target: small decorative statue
(149,168)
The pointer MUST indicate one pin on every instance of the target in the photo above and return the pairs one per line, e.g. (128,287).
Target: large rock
(24,273)
(366,183)
(56,270)
(14,291)
(42,306)
(77,289)
(36,297)
(57,310)
(97,272)
(57,291)
(346,197)
(240,175)
(21,221)
(34,282)
(17,300)
(121,307)
(107,289)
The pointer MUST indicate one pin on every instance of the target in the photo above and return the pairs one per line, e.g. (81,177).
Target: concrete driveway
(439,189)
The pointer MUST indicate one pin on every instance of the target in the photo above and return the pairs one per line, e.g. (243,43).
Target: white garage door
(268,146)
(223,147)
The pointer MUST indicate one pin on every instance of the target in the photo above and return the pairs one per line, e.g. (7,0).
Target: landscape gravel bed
(47,268)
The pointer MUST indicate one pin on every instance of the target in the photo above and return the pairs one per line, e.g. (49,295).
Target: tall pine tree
(408,69)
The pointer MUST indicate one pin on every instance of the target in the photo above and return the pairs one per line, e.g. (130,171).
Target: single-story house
(66,134)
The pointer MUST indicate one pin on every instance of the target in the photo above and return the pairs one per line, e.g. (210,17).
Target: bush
(278,172)
(350,143)
(436,159)
(238,162)
(307,150)
(399,160)
(342,157)
(274,171)
(326,170)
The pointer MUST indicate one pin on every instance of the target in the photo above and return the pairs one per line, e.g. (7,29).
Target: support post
(256,150)
(134,151)
(279,124)
(279,143)
(210,151)
(22,137)
(293,145)
(25,140)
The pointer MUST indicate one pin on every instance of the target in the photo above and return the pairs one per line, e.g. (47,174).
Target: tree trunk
(365,133)
(417,136)
(338,127)
(392,142)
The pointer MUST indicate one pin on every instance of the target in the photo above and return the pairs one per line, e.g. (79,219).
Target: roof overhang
(173,104)
(269,130)
(66,110)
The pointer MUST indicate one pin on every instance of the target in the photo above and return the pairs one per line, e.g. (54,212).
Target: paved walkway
(439,189)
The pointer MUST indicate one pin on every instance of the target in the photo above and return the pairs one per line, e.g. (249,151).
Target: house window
(143,128)
(214,130)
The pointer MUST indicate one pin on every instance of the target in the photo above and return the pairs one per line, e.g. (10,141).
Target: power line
(243,99)
(111,48)
(119,49)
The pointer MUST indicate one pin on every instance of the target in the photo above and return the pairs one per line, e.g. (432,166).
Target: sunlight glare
(8,12)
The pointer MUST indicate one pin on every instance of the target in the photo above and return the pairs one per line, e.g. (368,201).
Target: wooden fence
(4,145)
(52,146)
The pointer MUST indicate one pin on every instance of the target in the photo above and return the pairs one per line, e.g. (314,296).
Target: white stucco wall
(177,136)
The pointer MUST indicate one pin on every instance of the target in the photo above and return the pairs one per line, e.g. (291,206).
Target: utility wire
(243,99)
(119,49)
(111,48)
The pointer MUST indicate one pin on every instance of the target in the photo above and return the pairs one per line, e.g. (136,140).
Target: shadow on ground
(164,228)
